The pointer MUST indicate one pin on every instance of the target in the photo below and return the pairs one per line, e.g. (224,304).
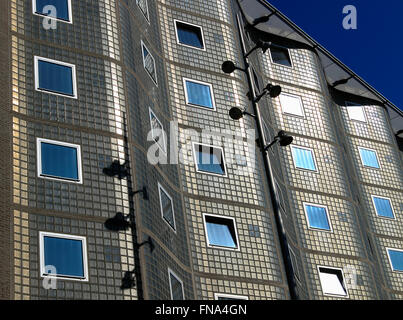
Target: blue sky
(374,50)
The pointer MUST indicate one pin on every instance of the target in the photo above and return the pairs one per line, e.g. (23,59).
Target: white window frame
(300,102)
(170,284)
(346,296)
(61,63)
(160,187)
(83,240)
(164,146)
(390,260)
(327,215)
(238,248)
(70,21)
(202,83)
(391,205)
(147,17)
(376,155)
(231,296)
(355,105)
(64,144)
(193,25)
(282,65)
(144,63)
(205,172)
(313,157)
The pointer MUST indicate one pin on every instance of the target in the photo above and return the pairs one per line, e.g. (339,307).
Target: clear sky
(374,50)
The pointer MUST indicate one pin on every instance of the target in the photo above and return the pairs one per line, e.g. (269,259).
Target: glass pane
(55,77)
(281,56)
(369,158)
(383,207)
(61,6)
(157,131)
(396,258)
(176,287)
(167,210)
(303,158)
(199,94)
(317,217)
(219,234)
(189,35)
(355,112)
(209,159)
(332,282)
(291,105)
(143,7)
(59,161)
(149,63)
(66,255)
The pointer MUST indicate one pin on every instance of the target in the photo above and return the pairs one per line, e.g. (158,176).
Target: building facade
(140,81)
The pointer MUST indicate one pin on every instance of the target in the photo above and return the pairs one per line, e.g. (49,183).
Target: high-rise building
(123,175)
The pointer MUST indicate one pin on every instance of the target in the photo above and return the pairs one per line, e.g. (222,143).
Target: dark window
(280,56)
(209,159)
(189,35)
(149,63)
(55,77)
(62,8)
(176,287)
(167,208)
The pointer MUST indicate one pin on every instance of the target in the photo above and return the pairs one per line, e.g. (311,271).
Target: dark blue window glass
(62,8)
(199,94)
(303,158)
(55,77)
(383,207)
(189,35)
(209,159)
(317,217)
(369,158)
(59,161)
(66,255)
(221,232)
(396,258)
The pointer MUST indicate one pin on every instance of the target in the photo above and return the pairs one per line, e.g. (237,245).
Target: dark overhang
(338,75)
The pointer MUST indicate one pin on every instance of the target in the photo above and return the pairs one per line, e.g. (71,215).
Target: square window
(332,281)
(66,254)
(356,112)
(189,35)
(291,104)
(220,232)
(62,8)
(209,159)
(55,77)
(369,158)
(143,5)
(395,259)
(176,286)
(281,56)
(317,216)
(59,160)
(149,63)
(303,158)
(167,208)
(224,296)
(157,131)
(383,207)
(199,93)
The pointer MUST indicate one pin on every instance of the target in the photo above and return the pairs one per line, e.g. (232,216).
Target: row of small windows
(65,257)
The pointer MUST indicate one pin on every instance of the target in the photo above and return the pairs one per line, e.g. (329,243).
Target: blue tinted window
(369,158)
(209,159)
(317,217)
(62,8)
(396,258)
(55,77)
(221,232)
(66,255)
(189,35)
(59,161)
(383,207)
(303,158)
(199,94)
